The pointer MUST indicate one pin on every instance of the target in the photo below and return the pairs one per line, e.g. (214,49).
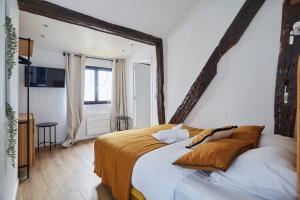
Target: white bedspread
(154,174)
(158,179)
(197,186)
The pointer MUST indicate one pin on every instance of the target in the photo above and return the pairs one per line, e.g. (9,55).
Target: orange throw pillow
(215,155)
(248,133)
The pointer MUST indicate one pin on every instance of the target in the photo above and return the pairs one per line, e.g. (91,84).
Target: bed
(176,182)
(136,166)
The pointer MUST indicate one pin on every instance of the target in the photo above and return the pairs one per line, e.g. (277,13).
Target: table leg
(38,138)
(55,135)
(116,124)
(44,137)
(50,136)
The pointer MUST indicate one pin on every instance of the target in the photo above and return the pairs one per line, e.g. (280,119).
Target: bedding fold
(116,154)
(171,135)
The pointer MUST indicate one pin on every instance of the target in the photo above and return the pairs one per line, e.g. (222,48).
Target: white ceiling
(60,36)
(154,17)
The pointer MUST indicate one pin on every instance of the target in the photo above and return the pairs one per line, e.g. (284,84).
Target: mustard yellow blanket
(117,152)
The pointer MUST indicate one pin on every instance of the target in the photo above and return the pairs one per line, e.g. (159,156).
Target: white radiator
(98,123)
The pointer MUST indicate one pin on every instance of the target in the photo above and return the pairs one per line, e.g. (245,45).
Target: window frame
(96,69)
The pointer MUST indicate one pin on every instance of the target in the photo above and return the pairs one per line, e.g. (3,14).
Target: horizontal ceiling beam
(60,13)
(51,10)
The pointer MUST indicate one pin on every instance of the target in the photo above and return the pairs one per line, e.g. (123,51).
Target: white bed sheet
(158,179)
(197,186)
(154,174)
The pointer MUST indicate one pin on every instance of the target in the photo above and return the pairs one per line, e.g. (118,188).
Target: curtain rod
(92,57)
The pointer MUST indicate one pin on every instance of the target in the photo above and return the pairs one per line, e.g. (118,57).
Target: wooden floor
(64,174)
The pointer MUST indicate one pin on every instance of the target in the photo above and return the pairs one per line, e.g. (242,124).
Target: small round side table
(44,126)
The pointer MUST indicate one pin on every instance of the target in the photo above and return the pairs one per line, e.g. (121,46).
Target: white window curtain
(75,66)
(119,93)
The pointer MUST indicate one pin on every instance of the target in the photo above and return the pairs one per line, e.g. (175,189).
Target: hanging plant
(12,133)
(11,45)
(10,51)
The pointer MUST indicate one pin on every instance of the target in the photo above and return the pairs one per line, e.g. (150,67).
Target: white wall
(49,104)
(8,175)
(146,55)
(46,104)
(243,90)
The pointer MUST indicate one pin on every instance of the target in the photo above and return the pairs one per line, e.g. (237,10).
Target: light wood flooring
(64,174)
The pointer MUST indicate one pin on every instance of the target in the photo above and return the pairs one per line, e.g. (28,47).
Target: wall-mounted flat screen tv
(45,77)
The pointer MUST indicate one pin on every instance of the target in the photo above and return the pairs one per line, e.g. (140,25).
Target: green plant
(12,133)
(11,45)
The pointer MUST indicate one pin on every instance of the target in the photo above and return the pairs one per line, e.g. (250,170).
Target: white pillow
(266,172)
(278,141)
(219,135)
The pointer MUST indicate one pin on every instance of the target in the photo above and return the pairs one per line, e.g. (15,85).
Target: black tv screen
(45,77)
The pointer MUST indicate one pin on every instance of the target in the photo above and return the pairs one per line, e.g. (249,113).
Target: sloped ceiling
(154,17)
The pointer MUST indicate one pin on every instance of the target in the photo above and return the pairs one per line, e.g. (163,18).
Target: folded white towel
(171,135)
(178,126)
(182,134)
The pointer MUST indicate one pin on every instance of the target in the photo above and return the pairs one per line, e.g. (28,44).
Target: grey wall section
(8,175)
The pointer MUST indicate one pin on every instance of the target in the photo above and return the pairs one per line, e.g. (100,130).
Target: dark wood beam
(60,13)
(294,2)
(160,82)
(285,112)
(230,38)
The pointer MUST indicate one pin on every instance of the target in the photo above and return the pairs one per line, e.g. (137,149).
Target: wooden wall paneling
(230,38)
(47,9)
(285,113)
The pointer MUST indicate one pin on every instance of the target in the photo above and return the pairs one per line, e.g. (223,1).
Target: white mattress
(158,179)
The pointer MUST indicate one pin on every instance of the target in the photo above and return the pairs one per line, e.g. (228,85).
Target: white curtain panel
(75,66)
(119,93)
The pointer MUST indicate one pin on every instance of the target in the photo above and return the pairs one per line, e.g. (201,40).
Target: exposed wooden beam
(292,2)
(60,13)
(285,112)
(230,38)
(160,82)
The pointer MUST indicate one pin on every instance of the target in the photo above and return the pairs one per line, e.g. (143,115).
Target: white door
(142,95)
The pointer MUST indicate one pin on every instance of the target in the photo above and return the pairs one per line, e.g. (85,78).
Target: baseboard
(86,137)
(16,190)
(83,137)
(47,144)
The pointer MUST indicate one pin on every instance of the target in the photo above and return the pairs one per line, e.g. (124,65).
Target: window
(97,86)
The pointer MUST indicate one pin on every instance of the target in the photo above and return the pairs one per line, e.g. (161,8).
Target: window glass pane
(89,85)
(104,85)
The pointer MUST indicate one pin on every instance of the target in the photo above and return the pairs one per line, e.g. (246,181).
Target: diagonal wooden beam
(60,13)
(230,38)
